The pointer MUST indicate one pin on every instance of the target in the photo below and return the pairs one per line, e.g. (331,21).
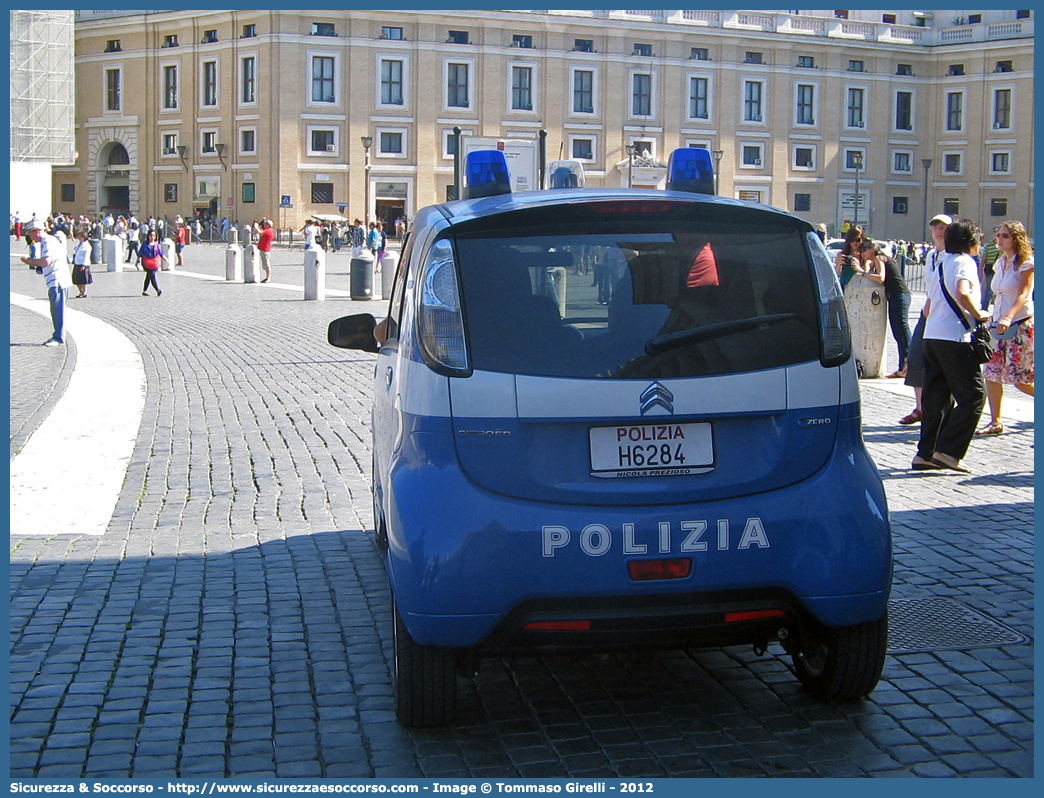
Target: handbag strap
(951,301)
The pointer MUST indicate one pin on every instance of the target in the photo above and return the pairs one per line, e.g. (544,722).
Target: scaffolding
(42,87)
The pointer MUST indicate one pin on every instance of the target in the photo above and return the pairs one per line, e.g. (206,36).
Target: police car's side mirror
(353,332)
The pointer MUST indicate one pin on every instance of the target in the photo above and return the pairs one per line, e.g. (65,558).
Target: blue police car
(613,418)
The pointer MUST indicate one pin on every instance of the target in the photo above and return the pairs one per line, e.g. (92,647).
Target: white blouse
(1005,286)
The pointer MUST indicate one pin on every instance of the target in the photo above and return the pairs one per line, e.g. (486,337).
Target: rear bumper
(472,569)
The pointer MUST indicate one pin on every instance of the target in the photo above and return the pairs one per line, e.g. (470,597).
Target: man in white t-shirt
(51,260)
(309,234)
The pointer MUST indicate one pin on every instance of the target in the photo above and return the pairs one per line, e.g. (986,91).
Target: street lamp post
(366,142)
(718,154)
(927,164)
(630,162)
(857,162)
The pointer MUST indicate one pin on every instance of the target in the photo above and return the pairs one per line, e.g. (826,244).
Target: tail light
(834,334)
(441,322)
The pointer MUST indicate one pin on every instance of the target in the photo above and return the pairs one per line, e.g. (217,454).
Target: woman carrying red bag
(151,255)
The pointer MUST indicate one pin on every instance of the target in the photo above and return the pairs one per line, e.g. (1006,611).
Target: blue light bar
(690,169)
(486,174)
(565,174)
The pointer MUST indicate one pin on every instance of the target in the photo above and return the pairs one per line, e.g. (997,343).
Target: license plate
(651,450)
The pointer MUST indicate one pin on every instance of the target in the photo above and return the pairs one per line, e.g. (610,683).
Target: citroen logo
(657,396)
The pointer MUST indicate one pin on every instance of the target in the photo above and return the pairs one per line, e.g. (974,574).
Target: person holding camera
(849,261)
(49,258)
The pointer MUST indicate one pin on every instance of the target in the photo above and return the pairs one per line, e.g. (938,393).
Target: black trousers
(952,398)
(150,277)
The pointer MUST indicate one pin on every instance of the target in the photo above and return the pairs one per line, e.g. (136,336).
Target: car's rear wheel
(425,679)
(843,663)
(380,531)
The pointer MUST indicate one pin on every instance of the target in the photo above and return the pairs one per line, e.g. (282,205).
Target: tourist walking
(151,254)
(1011,321)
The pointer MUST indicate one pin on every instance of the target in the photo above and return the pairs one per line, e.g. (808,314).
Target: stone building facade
(235,112)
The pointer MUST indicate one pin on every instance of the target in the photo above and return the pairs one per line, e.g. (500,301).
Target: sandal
(993,428)
(913,418)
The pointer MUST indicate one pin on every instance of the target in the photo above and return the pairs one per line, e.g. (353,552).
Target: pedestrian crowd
(974,335)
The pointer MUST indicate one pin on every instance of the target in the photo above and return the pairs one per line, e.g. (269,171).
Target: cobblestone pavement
(233,620)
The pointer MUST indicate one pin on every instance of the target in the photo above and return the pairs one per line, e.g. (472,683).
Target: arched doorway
(115,184)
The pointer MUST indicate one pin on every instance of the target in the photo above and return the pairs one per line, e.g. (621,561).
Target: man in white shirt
(51,260)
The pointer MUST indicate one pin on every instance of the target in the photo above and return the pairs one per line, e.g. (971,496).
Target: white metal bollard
(314,275)
(234,264)
(389,263)
(868,320)
(170,255)
(111,254)
(250,264)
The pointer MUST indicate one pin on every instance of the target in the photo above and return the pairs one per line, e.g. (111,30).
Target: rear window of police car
(644,297)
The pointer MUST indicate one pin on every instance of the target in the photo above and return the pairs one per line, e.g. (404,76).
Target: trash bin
(362,276)
(96,250)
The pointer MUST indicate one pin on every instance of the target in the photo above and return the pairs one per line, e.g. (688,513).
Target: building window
(954,110)
(323,29)
(322,140)
(900,205)
(1002,109)
(806,62)
(1022,15)
(804,158)
(854,156)
(998,207)
(322,193)
(1004,66)
(806,95)
(391,82)
(521,88)
(209,141)
(952,163)
(525,42)
(113,46)
(210,83)
(975,19)
(902,162)
(457,85)
(855,65)
(856,106)
(249,88)
(170,143)
(699,54)
(904,110)
(642,49)
(752,100)
(248,140)
(698,98)
(888,19)
(209,36)
(641,94)
(1000,162)
(955,70)
(752,58)
(951,206)
(457,37)
(249,31)
(583,45)
(171,40)
(904,69)
(802,202)
(170,192)
(248,192)
(642,147)
(451,142)
(68,192)
(390,144)
(113,100)
(583,91)
(323,79)
(583,149)
(170,87)
(390,32)
(752,154)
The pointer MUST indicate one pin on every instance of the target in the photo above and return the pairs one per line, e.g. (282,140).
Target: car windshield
(637,297)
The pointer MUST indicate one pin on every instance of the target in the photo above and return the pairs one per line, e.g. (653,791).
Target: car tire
(844,663)
(424,679)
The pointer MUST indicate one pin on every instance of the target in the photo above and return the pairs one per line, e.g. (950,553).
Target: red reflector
(628,206)
(756,615)
(641,570)
(560,626)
